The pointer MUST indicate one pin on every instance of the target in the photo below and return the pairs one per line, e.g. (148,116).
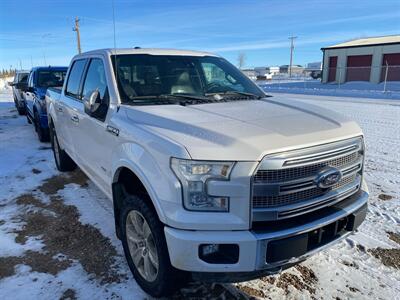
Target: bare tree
(241,60)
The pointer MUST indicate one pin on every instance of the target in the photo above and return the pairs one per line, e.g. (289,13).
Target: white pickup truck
(210,178)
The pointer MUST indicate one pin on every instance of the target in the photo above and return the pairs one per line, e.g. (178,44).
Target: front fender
(155,175)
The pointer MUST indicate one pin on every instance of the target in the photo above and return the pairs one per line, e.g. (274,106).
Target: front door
(93,142)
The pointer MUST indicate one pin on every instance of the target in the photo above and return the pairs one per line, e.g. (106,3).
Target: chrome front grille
(304,171)
(292,198)
(287,181)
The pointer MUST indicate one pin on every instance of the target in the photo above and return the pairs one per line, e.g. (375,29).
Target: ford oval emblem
(328,177)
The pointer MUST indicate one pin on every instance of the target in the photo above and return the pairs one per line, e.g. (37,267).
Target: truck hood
(243,130)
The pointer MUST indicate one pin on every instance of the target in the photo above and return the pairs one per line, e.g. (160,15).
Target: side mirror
(10,83)
(92,102)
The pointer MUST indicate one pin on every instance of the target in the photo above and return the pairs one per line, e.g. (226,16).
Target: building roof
(364,42)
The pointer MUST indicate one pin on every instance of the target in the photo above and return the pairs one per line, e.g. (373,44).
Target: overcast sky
(40,31)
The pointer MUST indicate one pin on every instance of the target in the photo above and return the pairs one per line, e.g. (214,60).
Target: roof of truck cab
(150,51)
(50,68)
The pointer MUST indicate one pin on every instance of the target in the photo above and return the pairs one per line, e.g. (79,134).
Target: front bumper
(269,248)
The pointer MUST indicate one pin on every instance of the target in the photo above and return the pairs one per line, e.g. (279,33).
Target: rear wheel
(145,248)
(43,133)
(63,161)
(21,110)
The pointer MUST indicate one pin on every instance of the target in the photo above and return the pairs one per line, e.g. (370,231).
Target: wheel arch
(127,179)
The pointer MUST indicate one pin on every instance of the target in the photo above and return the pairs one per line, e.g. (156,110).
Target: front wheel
(145,248)
(21,110)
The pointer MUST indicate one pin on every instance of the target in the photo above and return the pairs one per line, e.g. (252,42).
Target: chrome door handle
(59,109)
(75,118)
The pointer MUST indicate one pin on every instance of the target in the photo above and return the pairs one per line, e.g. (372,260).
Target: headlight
(193,175)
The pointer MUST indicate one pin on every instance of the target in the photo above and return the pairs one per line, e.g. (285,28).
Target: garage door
(393,62)
(332,68)
(358,67)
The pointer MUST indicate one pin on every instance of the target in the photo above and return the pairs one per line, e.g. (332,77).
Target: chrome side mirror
(91,102)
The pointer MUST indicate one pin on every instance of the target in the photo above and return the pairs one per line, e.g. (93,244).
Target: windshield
(49,78)
(143,76)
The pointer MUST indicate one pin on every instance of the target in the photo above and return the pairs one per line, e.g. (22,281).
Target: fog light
(209,249)
(219,253)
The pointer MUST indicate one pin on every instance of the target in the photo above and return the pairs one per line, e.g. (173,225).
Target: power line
(78,35)
(291,38)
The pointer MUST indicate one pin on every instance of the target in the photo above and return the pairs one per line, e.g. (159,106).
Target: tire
(21,111)
(63,161)
(43,133)
(167,279)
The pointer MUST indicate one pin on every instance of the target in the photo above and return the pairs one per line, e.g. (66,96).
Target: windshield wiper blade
(184,98)
(181,99)
(237,93)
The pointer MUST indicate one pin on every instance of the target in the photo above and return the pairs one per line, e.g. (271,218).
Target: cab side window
(23,77)
(96,81)
(74,78)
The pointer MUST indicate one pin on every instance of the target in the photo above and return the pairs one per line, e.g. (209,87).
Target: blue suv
(41,78)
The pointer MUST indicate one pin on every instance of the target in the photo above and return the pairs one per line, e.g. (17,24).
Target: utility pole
(292,38)
(78,35)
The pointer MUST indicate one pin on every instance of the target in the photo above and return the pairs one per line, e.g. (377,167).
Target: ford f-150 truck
(20,80)
(210,178)
(40,79)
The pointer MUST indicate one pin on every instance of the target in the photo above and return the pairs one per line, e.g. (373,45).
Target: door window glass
(74,78)
(95,79)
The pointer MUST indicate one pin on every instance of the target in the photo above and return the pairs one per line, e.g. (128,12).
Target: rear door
(92,142)
(67,108)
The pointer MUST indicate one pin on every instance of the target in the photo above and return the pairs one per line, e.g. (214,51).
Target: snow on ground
(57,231)
(4,83)
(350,89)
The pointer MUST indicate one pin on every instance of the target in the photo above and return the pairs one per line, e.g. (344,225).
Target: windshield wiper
(237,93)
(181,99)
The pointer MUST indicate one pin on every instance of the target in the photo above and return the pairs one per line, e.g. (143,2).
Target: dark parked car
(20,79)
(40,79)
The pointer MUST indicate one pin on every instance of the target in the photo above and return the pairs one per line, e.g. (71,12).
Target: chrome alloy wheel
(141,245)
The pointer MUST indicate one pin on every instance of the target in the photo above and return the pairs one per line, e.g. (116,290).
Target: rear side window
(23,77)
(74,78)
(95,78)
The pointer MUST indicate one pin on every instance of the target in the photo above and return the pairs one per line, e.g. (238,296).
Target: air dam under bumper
(266,252)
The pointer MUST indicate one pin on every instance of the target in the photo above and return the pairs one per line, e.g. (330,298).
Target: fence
(381,81)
